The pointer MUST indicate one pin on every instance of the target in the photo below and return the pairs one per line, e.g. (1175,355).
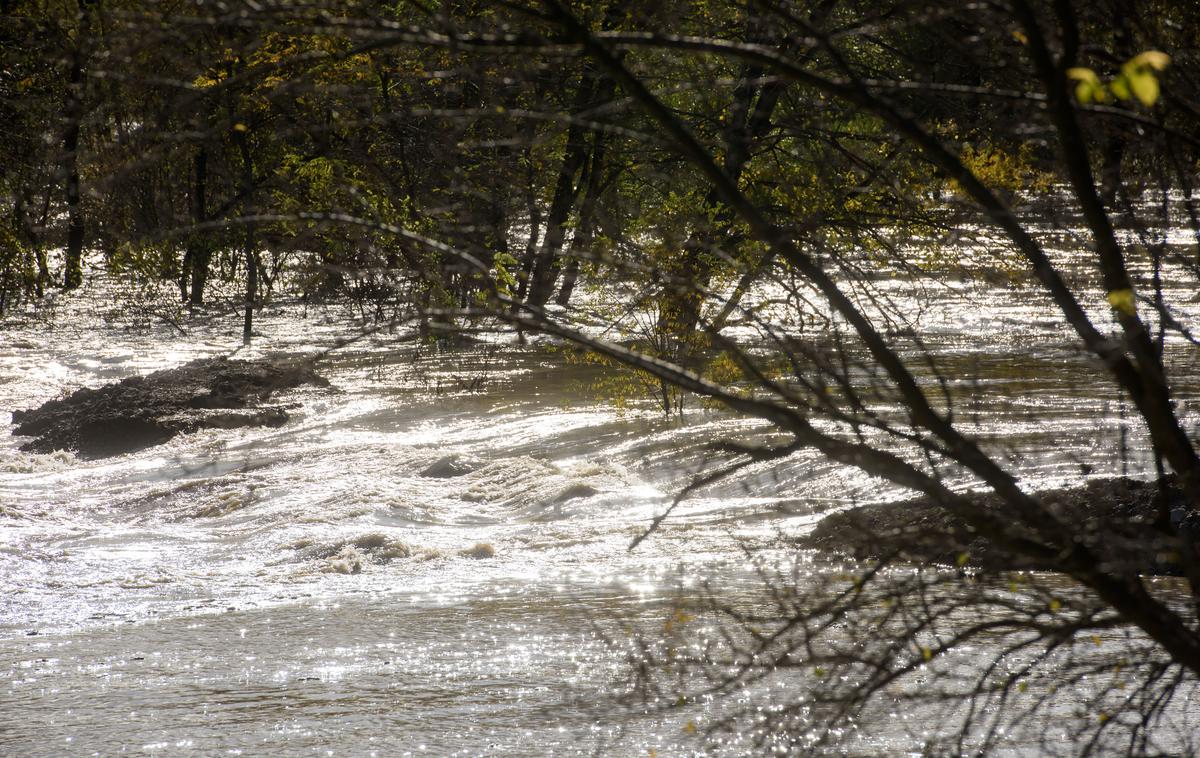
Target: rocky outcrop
(143,411)
(1118,518)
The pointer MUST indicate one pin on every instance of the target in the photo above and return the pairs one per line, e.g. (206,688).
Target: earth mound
(1121,519)
(143,411)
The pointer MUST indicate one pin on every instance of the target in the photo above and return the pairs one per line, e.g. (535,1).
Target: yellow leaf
(927,654)
(680,617)
(240,127)
(1154,59)
(962,559)
(690,727)
(1019,36)
(1022,686)
(1120,88)
(1081,74)
(1089,88)
(1123,301)
(1144,85)
(1055,605)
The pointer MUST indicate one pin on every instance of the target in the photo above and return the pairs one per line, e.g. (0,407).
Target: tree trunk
(196,259)
(251,286)
(27,228)
(535,231)
(73,113)
(243,143)
(582,239)
(595,88)
(544,269)
(748,119)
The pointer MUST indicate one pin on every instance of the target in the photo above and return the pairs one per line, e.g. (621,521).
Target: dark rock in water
(143,411)
(449,467)
(1117,518)
(576,491)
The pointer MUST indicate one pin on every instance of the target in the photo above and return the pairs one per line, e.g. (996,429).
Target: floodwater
(312,589)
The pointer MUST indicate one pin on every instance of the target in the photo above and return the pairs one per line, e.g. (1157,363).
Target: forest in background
(449,162)
(336,141)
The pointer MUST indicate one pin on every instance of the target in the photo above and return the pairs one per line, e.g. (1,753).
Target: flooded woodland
(806,378)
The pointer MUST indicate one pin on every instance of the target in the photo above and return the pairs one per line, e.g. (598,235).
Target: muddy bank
(143,411)
(1116,517)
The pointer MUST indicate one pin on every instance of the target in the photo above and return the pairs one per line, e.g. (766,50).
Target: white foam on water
(550,488)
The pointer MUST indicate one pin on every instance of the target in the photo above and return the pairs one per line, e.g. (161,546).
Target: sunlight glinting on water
(414,562)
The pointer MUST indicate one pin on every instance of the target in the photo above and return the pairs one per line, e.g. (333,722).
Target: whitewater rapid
(432,555)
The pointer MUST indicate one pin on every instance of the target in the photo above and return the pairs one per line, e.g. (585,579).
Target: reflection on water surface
(417,562)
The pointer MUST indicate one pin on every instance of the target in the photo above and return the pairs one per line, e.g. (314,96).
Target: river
(312,589)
